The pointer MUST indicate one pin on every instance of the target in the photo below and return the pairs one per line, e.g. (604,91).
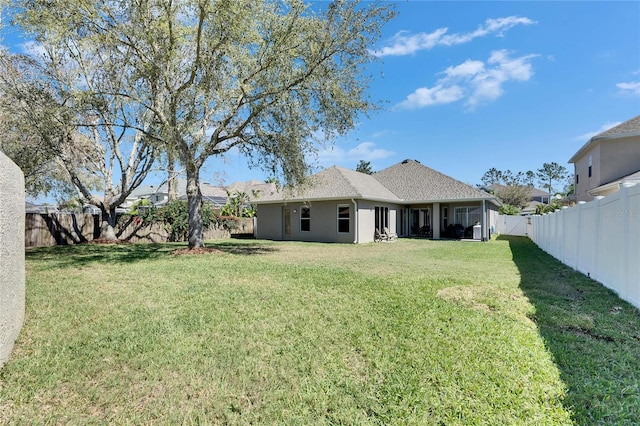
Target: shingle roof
(406,182)
(628,128)
(335,183)
(414,182)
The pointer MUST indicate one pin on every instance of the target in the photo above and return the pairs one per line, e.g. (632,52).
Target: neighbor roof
(615,184)
(413,182)
(628,128)
(332,184)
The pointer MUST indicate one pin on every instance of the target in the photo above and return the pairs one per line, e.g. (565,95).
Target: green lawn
(410,332)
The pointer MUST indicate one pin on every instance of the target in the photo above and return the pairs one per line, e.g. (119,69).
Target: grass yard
(412,332)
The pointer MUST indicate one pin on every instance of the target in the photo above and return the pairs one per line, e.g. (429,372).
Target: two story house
(608,160)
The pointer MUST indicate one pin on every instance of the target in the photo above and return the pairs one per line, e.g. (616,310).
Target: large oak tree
(265,77)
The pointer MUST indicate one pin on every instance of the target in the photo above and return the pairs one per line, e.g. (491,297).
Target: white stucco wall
(12,274)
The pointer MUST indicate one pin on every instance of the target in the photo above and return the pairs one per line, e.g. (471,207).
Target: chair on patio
(379,237)
(391,236)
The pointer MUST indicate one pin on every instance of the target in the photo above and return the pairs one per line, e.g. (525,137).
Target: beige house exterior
(344,206)
(607,161)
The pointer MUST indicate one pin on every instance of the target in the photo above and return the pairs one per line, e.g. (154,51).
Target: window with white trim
(344,218)
(305,219)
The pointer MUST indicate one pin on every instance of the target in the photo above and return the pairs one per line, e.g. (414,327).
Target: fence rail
(43,230)
(600,238)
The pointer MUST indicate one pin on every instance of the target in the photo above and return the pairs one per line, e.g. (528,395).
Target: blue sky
(467,86)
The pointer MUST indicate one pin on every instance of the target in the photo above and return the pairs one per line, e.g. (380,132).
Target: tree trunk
(107,225)
(172,182)
(194,201)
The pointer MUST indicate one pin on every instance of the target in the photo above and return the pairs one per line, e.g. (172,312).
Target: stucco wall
(12,275)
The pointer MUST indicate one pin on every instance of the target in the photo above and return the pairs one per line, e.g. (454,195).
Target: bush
(175,217)
(510,210)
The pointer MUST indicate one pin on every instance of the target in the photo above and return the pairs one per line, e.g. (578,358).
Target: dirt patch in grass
(196,250)
(462,295)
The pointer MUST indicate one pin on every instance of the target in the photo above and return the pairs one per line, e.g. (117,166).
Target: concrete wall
(600,238)
(12,273)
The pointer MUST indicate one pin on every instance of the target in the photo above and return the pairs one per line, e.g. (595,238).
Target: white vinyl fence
(514,225)
(600,238)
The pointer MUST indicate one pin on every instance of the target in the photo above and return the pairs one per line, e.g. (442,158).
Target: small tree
(517,196)
(364,167)
(550,173)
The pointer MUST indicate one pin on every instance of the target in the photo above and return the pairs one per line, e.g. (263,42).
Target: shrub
(510,210)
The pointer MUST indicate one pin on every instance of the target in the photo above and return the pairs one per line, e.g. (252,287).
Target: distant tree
(551,173)
(364,167)
(569,185)
(512,189)
(492,176)
(514,195)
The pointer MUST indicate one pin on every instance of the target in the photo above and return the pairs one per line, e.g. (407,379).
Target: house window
(344,217)
(382,218)
(305,219)
(467,216)
(577,179)
(590,164)
(445,216)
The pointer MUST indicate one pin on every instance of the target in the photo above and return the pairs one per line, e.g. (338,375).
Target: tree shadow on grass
(81,255)
(84,254)
(593,335)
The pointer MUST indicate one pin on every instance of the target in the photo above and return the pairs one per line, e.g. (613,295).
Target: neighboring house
(607,161)
(537,197)
(216,195)
(342,205)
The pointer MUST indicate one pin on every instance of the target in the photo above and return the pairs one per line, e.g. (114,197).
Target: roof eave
(596,140)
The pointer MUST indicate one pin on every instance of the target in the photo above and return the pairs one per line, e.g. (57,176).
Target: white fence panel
(600,239)
(513,225)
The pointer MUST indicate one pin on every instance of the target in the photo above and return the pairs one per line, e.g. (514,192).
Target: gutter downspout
(355,221)
(483,232)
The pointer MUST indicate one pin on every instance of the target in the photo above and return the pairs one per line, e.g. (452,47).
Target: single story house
(346,206)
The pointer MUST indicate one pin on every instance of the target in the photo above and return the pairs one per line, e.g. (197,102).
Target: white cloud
(487,85)
(366,151)
(403,44)
(632,87)
(467,68)
(477,81)
(407,45)
(425,96)
(603,128)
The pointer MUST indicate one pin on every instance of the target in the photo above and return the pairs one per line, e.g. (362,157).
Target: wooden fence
(43,230)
